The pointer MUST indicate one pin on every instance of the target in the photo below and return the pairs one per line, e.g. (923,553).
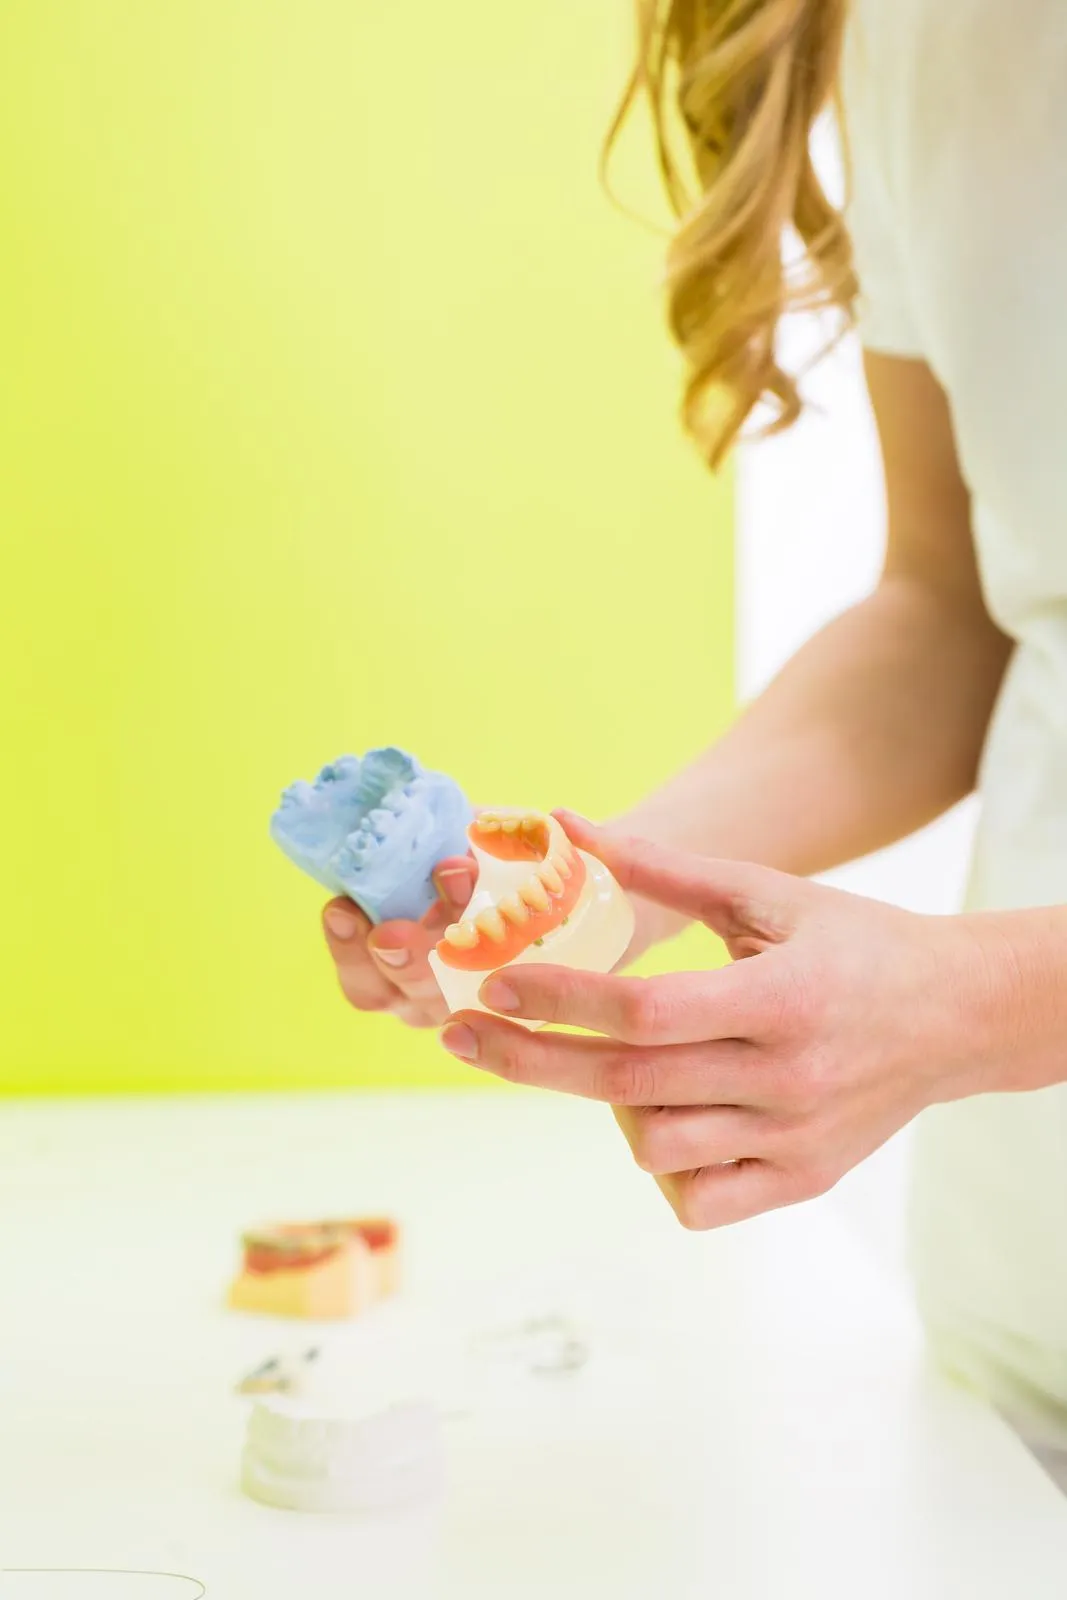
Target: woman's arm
(876,726)
(872,729)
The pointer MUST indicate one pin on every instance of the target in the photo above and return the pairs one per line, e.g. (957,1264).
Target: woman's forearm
(874,728)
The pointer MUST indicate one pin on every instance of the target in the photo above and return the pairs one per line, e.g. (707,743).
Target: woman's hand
(762,1083)
(385,968)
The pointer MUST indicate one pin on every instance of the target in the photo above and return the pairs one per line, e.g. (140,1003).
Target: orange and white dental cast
(537,899)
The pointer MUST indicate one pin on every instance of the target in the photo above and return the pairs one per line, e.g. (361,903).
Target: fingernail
(454,884)
(461,1041)
(342,924)
(498,996)
(389,957)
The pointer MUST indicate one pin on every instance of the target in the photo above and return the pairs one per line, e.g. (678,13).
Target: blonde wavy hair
(734,88)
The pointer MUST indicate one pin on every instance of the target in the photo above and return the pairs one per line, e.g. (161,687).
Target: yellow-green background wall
(335,409)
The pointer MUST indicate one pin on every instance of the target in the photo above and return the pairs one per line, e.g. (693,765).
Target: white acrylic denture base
(303,1457)
(594,938)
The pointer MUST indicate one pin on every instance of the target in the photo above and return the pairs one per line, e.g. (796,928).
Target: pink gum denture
(317,1269)
(538,899)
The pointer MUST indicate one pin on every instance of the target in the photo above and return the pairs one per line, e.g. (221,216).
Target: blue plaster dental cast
(374,829)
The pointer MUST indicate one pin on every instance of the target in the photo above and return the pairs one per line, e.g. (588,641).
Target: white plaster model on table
(299,1456)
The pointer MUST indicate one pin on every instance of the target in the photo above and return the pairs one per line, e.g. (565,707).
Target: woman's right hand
(385,968)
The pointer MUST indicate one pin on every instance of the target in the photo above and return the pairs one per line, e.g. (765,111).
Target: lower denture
(549,909)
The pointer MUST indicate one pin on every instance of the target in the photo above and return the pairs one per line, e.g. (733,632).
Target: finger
(680,1139)
(377,967)
(600,1069)
(733,898)
(736,1001)
(401,948)
(346,929)
(716,1196)
(454,879)
(419,1016)
(399,951)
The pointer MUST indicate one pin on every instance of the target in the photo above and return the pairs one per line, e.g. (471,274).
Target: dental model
(537,899)
(318,1270)
(374,829)
(302,1456)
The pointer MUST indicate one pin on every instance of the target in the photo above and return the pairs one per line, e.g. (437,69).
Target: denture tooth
(535,894)
(489,822)
(561,864)
(550,878)
(531,824)
(511,907)
(510,824)
(464,935)
(491,923)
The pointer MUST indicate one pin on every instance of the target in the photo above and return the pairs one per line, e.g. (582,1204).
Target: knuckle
(418,992)
(814,1075)
(361,1000)
(803,998)
(629,855)
(626,1080)
(811,1180)
(691,1209)
(413,1015)
(778,1077)
(794,1001)
(544,993)
(511,1059)
(660,1147)
(640,1010)
(821,1178)
(548,1001)
(643,1143)
(800,1082)
(507,1062)
(798,1146)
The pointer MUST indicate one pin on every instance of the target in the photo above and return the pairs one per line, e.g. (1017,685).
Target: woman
(762,1084)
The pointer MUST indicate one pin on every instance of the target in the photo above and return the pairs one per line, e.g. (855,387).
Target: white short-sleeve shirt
(956,118)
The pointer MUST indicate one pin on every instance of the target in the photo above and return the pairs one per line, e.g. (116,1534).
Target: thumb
(748,906)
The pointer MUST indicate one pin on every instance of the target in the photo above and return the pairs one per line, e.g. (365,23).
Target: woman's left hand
(761,1083)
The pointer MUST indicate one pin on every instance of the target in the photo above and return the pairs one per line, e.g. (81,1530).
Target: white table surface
(757,1420)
